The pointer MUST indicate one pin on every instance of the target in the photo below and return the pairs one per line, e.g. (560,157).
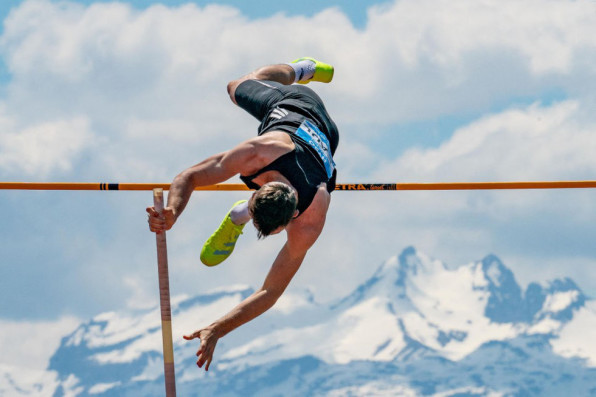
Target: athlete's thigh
(257,97)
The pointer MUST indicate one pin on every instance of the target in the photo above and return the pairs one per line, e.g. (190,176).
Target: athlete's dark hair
(272,206)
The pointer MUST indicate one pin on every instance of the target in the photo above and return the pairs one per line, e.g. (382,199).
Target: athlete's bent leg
(281,73)
(302,70)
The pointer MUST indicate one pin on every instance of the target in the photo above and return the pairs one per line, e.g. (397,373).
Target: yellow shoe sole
(222,242)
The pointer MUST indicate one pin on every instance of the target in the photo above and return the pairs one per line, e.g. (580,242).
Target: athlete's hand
(160,223)
(208,341)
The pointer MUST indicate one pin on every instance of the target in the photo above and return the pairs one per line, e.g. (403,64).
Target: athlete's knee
(232,85)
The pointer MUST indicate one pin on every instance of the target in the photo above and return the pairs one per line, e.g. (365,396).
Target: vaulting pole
(164,301)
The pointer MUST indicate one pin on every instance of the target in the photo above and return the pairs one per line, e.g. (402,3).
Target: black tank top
(303,171)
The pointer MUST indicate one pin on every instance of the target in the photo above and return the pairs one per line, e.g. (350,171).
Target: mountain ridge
(415,326)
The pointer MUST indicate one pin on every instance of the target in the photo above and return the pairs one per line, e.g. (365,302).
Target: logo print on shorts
(278,113)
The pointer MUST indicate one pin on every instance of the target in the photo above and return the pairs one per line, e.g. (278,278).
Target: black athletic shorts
(284,107)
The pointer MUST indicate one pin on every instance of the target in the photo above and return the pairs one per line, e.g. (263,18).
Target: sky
(424,91)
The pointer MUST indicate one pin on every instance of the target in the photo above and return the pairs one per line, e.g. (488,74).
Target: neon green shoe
(323,71)
(220,245)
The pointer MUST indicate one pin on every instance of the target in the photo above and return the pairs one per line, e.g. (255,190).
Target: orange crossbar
(107,186)
(340,186)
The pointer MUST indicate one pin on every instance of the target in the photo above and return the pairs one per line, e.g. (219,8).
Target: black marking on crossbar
(109,186)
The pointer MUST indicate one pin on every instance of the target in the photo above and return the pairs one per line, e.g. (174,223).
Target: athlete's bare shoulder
(275,139)
(271,145)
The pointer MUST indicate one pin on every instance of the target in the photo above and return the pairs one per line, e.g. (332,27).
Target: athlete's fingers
(191,336)
(157,222)
(205,359)
(205,352)
(156,227)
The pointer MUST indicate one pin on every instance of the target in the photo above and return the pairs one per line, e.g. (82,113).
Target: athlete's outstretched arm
(285,266)
(215,169)
(301,236)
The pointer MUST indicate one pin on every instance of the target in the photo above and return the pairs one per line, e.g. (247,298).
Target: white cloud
(31,343)
(24,381)
(156,78)
(41,149)
(547,34)
(536,142)
(526,144)
(419,59)
(141,298)
(413,60)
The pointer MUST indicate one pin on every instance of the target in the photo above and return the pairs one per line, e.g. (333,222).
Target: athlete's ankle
(239,215)
(304,70)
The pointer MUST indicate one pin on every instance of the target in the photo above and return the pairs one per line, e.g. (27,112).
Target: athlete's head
(272,207)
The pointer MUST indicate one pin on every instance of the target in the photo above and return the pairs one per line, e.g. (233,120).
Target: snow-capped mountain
(414,328)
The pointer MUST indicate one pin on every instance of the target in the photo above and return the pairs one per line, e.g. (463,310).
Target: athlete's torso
(300,168)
